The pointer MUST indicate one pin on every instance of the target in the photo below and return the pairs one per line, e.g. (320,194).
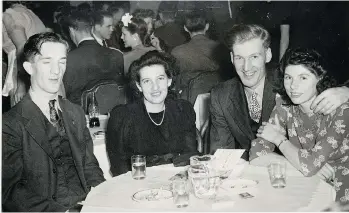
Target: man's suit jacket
(29,171)
(200,54)
(89,64)
(230,118)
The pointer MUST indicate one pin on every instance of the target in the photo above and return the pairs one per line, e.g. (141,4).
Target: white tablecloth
(99,148)
(300,194)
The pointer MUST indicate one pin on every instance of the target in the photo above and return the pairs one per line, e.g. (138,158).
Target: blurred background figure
(102,27)
(134,32)
(118,9)
(19,23)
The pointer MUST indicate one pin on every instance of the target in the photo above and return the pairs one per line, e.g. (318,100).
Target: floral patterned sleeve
(333,135)
(260,146)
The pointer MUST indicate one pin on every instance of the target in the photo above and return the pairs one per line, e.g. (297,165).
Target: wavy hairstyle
(312,61)
(152,58)
(137,26)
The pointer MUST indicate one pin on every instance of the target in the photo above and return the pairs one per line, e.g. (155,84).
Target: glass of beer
(139,165)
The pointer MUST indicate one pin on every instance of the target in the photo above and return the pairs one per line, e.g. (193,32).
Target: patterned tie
(255,108)
(53,112)
(55,119)
(104,43)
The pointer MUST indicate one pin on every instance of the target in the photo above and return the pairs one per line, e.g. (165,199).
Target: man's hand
(326,172)
(330,99)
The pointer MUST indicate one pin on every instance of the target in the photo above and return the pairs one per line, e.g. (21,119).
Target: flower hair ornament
(126,19)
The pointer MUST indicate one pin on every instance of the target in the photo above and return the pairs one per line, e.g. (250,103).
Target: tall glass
(139,166)
(180,193)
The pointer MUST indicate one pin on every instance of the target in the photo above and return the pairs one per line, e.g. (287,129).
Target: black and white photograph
(172,106)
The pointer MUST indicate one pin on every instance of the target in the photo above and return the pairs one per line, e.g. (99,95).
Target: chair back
(203,82)
(108,95)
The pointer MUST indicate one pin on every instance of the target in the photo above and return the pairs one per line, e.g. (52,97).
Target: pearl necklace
(163,116)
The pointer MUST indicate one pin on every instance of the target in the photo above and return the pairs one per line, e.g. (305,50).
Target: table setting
(220,182)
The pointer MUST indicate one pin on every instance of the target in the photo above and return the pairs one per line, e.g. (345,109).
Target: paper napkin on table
(226,159)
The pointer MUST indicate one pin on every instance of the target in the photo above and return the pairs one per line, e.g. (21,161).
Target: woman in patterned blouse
(310,142)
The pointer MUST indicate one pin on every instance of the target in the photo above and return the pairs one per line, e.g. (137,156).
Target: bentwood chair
(108,95)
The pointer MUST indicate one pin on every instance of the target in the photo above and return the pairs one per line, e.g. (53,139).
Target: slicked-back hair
(152,58)
(80,21)
(33,45)
(241,33)
(137,26)
(98,17)
(309,59)
(195,21)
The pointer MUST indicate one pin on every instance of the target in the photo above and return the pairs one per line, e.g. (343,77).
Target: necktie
(54,118)
(255,108)
(104,43)
(53,112)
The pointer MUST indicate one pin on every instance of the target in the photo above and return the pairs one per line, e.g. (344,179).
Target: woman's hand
(271,132)
(326,172)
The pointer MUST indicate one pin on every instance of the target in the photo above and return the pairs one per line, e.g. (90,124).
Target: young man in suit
(103,27)
(47,151)
(90,63)
(240,105)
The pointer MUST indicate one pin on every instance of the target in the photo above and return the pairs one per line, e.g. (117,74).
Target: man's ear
(139,87)
(28,67)
(169,82)
(97,27)
(232,57)
(268,55)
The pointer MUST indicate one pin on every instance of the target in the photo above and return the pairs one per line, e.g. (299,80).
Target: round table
(300,194)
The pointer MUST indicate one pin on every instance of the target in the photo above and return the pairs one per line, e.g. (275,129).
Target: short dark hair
(152,58)
(80,21)
(98,17)
(241,33)
(117,5)
(143,13)
(33,45)
(137,26)
(195,21)
(312,61)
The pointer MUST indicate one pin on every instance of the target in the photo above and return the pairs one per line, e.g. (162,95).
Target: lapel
(35,126)
(239,110)
(268,102)
(70,122)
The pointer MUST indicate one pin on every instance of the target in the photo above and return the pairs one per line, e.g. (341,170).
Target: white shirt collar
(86,39)
(99,40)
(42,102)
(259,89)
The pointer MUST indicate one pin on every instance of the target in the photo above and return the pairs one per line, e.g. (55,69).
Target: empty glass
(180,193)
(277,174)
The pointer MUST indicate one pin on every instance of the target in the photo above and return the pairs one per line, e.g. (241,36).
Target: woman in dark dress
(161,128)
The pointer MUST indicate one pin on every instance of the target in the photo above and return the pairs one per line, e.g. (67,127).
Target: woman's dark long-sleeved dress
(130,131)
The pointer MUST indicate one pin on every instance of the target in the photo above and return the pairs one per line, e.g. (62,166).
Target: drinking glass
(139,166)
(180,193)
(277,174)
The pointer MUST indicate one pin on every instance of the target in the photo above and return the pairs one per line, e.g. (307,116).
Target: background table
(300,194)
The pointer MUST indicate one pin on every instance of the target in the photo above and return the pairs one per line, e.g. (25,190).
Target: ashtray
(152,195)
